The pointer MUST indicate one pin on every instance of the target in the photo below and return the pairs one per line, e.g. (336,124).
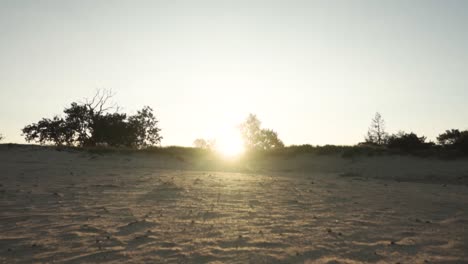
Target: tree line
(96,122)
(452,139)
(257,138)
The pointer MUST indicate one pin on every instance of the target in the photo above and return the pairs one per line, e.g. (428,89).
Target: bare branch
(99,103)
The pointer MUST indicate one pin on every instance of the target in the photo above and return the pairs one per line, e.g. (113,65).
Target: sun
(229,143)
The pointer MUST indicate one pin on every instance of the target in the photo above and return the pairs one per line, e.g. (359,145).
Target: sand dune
(75,207)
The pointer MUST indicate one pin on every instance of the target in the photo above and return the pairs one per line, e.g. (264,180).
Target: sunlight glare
(229,143)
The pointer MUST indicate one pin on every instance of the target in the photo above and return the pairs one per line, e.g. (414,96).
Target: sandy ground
(81,208)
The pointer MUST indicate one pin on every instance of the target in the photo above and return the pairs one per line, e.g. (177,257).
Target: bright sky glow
(314,71)
(229,142)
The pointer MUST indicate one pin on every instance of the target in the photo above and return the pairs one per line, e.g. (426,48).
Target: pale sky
(314,71)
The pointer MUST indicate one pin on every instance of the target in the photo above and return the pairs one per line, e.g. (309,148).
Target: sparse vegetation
(97,126)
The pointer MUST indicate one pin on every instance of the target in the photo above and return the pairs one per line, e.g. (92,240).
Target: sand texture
(75,207)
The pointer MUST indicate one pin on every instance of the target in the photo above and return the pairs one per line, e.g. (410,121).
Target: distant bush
(344,151)
(90,124)
(454,139)
(365,150)
(331,149)
(450,137)
(408,142)
(204,144)
(299,149)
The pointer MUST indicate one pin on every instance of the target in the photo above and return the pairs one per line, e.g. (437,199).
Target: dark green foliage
(256,138)
(408,142)
(90,125)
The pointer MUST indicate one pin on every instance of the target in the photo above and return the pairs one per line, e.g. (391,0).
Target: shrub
(454,139)
(408,142)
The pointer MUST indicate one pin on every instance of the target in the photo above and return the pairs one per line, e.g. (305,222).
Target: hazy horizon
(314,71)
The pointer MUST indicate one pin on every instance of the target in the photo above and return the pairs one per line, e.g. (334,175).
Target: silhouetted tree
(47,130)
(90,123)
(407,142)
(376,133)
(454,138)
(79,119)
(1,137)
(144,126)
(450,137)
(256,138)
